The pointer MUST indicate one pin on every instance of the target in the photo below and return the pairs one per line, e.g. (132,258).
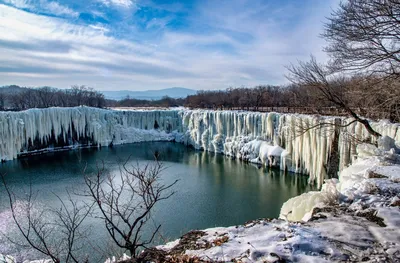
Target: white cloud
(57,9)
(38,45)
(43,6)
(38,50)
(119,3)
(19,3)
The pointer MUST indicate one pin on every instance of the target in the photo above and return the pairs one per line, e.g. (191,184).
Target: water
(213,190)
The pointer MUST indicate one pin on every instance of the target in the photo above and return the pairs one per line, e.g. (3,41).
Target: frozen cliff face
(298,143)
(370,181)
(36,129)
(288,141)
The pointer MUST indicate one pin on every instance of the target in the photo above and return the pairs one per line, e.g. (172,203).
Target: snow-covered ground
(353,219)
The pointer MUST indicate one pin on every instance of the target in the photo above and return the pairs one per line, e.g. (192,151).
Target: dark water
(212,190)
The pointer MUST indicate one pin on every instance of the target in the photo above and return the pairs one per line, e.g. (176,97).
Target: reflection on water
(213,190)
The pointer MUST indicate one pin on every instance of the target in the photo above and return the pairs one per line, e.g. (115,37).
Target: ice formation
(37,129)
(355,182)
(295,142)
(286,140)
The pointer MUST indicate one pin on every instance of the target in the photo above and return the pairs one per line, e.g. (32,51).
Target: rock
(372,174)
(395,201)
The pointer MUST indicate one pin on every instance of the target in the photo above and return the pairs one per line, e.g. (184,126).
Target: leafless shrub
(55,233)
(126,200)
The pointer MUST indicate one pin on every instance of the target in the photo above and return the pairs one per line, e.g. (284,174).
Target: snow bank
(263,241)
(376,171)
(300,207)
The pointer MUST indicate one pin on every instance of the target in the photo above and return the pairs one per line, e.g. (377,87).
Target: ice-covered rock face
(288,141)
(37,129)
(303,143)
(298,143)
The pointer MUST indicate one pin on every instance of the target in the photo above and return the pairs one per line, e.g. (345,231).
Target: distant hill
(12,89)
(149,94)
(7,91)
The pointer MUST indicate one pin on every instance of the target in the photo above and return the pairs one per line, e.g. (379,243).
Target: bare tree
(2,101)
(57,238)
(364,35)
(329,84)
(46,97)
(125,202)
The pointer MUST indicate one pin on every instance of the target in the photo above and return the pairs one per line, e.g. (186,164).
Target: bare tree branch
(125,201)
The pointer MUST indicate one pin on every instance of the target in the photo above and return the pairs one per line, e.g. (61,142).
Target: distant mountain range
(149,94)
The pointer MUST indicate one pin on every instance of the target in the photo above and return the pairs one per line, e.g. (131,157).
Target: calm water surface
(212,190)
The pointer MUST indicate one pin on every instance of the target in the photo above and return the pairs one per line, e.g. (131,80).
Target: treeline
(132,102)
(44,97)
(248,98)
(21,98)
(367,96)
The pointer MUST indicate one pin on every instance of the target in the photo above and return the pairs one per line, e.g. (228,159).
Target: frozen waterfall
(37,129)
(289,141)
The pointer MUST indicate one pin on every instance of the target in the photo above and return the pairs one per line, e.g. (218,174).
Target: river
(213,190)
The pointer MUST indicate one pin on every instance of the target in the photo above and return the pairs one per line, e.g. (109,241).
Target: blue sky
(153,44)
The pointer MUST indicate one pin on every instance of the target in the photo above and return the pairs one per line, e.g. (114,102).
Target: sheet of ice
(300,207)
(252,136)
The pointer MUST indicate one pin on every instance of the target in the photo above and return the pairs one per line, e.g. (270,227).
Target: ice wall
(295,142)
(353,133)
(299,143)
(288,141)
(37,129)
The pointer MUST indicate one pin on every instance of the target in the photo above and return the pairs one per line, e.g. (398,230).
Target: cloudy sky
(153,44)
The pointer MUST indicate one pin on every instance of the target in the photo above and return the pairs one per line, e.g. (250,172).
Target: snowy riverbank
(356,218)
